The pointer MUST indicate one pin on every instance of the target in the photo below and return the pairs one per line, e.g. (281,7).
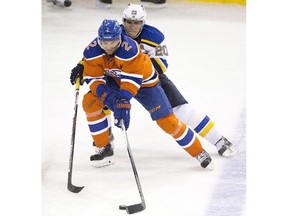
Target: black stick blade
(74,188)
(122,207)
(70,186)
(135,208)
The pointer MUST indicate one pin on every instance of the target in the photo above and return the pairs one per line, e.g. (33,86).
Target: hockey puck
(122,207)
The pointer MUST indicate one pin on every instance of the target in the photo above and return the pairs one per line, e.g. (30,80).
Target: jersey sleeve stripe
(90,80)
(137,76)
(135,79)
(149,43)
(151,79)
(131,82)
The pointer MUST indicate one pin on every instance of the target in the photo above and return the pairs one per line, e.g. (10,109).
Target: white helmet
(134,12)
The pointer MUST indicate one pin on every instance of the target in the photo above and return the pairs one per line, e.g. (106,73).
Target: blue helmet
(109,30)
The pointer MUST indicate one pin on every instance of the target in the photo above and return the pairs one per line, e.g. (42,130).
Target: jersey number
(161,51)
(93,44)
(126,46)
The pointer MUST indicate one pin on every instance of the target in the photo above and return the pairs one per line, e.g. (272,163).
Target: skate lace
(202,156)
(100,150)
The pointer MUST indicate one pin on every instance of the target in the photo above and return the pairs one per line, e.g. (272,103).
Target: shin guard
(182,134)
(97,120)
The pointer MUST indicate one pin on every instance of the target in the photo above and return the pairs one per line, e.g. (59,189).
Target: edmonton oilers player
(116,70)
(152,42)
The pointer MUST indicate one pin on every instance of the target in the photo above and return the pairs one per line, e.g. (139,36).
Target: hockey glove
(122,112)
(76,72)
(106,96)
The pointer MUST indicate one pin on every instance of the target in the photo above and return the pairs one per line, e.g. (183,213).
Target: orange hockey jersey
(129,67)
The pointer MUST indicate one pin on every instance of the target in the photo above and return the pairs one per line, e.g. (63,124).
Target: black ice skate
(205,160)
(225,147)
(104,3)
(60,3)
(103,156)
(154,3)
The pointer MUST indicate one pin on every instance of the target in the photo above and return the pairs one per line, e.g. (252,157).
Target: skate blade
(103,163)
(210,166)
(230,152)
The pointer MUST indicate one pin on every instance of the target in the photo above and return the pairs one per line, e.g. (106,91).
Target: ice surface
(206,44)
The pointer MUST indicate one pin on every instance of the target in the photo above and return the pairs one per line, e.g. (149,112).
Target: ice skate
(225,147)
(59,3)
(205,160)
(104,3)
(103,156)
(154,3)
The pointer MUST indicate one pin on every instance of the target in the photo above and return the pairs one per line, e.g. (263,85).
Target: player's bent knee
(90,103)
(169,123)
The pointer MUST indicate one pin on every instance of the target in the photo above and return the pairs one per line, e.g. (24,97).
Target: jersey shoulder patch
(93,50)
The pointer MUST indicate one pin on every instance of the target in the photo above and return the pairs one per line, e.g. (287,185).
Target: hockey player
(152,43)
(116,70)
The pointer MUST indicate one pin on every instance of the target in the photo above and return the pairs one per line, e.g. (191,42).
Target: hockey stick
(70,186)
(131,209)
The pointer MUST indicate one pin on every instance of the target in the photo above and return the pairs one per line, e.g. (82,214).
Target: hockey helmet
(134,12)
(109,30)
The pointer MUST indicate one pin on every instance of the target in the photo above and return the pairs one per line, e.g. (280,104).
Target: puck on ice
(122,207)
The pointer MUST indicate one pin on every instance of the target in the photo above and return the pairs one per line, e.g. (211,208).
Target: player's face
(132,27)
(110,46)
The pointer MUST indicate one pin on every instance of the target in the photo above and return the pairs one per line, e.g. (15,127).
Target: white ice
(206,44)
